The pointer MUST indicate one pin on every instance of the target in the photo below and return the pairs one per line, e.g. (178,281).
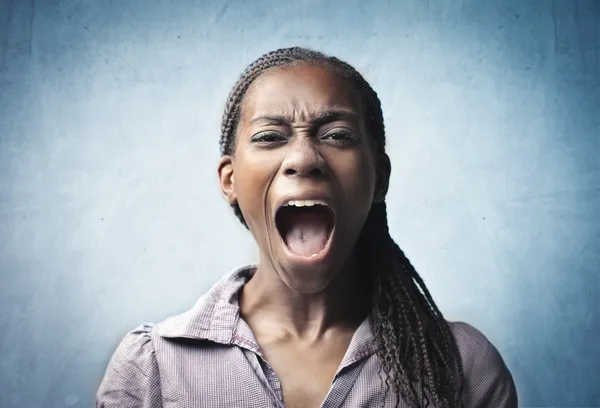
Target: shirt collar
(215,315)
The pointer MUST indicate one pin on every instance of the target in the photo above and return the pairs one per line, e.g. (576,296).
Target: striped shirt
(209,357)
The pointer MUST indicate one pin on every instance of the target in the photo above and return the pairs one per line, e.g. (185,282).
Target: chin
(306,285)
(308,279)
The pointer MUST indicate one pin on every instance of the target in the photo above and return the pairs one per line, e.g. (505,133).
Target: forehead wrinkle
(296,107)
(315,114)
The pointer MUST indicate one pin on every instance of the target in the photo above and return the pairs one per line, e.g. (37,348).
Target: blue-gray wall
(110,214)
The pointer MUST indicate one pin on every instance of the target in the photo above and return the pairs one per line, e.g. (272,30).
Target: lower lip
(309,260)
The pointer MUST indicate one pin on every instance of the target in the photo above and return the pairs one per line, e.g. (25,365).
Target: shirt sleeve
(131,379)
(488,382)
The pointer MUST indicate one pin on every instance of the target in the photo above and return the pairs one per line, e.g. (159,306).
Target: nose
(304,160)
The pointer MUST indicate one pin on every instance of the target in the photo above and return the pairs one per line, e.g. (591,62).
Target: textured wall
(110,214)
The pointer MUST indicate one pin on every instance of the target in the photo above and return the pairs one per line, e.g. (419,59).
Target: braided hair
(419,357)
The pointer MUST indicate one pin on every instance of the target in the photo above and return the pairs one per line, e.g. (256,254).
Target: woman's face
(303,173)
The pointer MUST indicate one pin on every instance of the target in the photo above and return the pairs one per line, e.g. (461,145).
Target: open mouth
(305,227)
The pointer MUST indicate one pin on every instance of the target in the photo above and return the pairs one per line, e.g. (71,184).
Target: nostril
(316,172)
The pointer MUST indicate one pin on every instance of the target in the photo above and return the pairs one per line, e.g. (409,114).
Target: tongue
(307,233)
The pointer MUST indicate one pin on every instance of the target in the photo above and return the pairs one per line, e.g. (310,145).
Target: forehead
(298,90)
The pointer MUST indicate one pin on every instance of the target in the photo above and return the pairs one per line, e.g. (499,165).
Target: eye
(268,138)
(343,137)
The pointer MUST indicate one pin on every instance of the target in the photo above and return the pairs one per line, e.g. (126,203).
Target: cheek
(357,174)
(252,177)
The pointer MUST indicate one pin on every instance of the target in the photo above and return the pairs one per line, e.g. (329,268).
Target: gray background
(110,214)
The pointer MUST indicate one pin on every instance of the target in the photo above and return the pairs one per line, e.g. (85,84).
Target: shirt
(209,357)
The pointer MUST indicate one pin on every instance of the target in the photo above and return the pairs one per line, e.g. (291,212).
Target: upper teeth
(304,203)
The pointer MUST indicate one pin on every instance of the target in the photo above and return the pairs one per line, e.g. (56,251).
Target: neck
(344,303)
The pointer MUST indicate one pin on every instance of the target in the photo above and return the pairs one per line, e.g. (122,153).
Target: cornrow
(418,354)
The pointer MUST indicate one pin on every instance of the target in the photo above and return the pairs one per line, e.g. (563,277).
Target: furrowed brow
(319,119)
(272,119)
(332,116)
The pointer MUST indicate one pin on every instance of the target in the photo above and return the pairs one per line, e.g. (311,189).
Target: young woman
(334,314)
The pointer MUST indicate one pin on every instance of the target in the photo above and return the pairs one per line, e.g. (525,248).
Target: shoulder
(478,354)
(488,381)
(471,342)
(135,348)
(132,373)
(136,344)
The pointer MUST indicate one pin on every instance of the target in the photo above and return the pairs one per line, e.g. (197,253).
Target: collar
(215,315)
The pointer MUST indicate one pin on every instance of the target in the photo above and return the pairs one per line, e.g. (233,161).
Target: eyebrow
(321,118)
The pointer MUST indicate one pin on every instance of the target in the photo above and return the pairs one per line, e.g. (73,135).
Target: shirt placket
(343,382)
(245,339)
(360,348)
(273,380)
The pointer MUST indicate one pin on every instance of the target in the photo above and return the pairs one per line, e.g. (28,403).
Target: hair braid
(418,355)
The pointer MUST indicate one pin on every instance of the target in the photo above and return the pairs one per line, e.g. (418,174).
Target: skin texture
(301,135)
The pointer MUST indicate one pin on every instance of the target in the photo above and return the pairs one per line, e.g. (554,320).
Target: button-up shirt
(209,357)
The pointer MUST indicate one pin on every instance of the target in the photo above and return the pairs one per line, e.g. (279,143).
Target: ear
(227,180)
(383,172)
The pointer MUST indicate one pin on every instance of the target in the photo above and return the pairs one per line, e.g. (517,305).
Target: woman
(334,314)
